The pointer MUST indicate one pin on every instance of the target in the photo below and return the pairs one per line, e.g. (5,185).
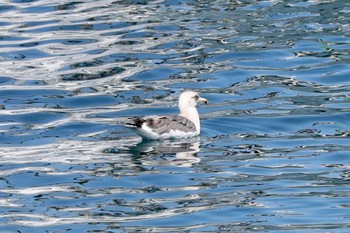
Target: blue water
(273,155)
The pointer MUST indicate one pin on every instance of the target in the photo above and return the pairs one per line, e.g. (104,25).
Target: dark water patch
(143,34)
(29,44)
(95,51)
(115,33)
(7,81)
(87,76)
(68,6)
(30,24)
(141,57)
(85,64)
(85,101)
(31,93)
(12,38)
(85,90)
(27,98)
(26,54)
(90,25)
(167,28)
(78,41)
(118,58)
(128,42)
(250,55)
(32,118)
(5,8)
(131,2)
(62,27)
(154,74)
(145,96)
(23,1)
(34,82)
(110,26)
(107,17)
(189,47)
(38,9)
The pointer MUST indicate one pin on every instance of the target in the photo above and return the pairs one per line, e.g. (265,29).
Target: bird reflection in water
(167,152)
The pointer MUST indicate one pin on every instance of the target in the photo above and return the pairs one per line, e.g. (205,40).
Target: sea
(273,155)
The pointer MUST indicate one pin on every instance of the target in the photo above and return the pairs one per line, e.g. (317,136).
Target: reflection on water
(172,153)
(273,153)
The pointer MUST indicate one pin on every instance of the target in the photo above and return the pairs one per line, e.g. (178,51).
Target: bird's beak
(203,100)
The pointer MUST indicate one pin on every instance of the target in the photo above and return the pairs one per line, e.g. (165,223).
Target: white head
(190,99)
(187,103)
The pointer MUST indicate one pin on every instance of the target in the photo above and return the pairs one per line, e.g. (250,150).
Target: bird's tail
(135,122)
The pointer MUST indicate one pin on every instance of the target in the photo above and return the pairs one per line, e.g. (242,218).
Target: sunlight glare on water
(273,155)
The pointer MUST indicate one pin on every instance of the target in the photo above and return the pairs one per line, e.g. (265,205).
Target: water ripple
(272,156)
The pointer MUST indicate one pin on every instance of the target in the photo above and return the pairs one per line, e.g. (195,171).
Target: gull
(184,125)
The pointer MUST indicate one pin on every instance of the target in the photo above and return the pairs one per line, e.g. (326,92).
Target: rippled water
(274,152)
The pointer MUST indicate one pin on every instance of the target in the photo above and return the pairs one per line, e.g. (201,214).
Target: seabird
(184,125)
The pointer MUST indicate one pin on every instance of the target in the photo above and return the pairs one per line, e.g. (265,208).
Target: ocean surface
(274,152)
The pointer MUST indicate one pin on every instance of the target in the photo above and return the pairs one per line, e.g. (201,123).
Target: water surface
(273,153)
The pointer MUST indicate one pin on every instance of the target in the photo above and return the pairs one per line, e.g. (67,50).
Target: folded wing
(165,124)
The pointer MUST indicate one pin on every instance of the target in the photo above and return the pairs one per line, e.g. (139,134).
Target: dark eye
(196,97)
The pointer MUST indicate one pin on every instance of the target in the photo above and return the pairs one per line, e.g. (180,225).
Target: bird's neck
(191,113)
